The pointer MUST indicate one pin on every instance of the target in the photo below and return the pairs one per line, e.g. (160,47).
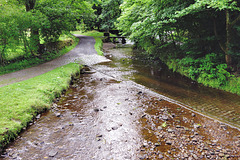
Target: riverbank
(204,71)
(21,102)
(231,83)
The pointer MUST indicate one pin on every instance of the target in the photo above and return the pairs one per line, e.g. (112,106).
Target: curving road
(84,53)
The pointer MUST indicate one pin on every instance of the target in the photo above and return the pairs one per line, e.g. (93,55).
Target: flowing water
(126,109)
(215,103)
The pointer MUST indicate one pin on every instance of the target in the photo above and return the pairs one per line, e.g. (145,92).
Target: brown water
(215,103)
(106,116)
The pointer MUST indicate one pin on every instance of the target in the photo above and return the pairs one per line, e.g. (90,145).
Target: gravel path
(83,53)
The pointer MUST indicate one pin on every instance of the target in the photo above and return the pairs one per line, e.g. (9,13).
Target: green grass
(97,36)
(21,102)
(33,61)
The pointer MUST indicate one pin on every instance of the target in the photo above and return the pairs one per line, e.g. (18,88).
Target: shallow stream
(215,103)
(126,109)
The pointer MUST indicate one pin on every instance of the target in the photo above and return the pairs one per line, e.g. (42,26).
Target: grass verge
(33,61)
(21,102)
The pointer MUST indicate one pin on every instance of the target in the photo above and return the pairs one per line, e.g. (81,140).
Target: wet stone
(185,155)
(195,156)
(214,141)
(159,128)
(114,128)
(168,142)
(196,125)
(194,140)
(53,153)
(58,114)
(178,126)
(145,144)
(196,133)
(170,130)
(160,156)
(221,155)
(157,144)
(165,118)
(99,135)
(96,110)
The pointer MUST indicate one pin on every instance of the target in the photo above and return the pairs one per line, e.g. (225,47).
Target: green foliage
(23,23)
(183,33)
(12,30)
(24,61)
(205,70)
(110,13)
(56,19)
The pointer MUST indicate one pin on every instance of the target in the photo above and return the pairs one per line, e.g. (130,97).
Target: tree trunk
(30,4)
(228,57)
(2,52)
(35,44)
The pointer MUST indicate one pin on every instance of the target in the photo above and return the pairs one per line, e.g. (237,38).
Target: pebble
(185,155)
(186,129)
(145,144)
(38,116)
(195,156)
(159,128)
(178,126)
(169,142)
(160,156)
(58,114)
(170,130)
(99,135)
(221,155)
(194,140)
(52,153)
(157,144)
(96,110)
(165,118)
(114,128)
(196,125)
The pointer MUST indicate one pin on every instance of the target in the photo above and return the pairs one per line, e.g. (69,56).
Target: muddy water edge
(106,115)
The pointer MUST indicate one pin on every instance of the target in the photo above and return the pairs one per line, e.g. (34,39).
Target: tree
(110,12)
(14,25)
(230,8)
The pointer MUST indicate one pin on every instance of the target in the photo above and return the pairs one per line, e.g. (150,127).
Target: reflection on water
(216,103)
